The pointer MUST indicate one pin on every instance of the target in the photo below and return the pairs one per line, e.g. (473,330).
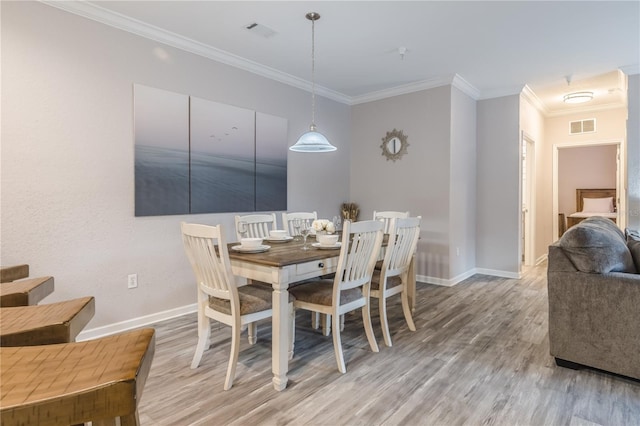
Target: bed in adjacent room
(593,202)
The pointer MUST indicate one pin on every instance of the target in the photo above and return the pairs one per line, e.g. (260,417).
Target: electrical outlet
(132,281)
(457,251)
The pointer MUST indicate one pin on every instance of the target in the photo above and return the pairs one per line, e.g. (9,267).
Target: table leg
(281,323)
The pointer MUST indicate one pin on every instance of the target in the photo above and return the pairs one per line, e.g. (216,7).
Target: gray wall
(633,152)
(419,181)
(68,167)
(498,221)
(462,191)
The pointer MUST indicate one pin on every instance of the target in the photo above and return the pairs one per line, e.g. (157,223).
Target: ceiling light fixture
(313,141)
(577,97)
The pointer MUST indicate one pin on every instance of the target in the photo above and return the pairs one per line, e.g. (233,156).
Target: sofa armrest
(558,261)
(594,319)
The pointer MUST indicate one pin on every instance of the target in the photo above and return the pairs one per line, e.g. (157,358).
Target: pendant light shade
(313,141)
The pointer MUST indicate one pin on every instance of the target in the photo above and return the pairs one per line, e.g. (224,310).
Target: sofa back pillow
(597,245)
(633,242)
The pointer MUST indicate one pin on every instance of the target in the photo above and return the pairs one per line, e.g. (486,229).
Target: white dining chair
(288,221)
(255,225)
(386,217)
(349,290)
(222,296)
(392,278)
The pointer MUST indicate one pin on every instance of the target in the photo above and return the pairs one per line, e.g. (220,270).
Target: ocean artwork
(162,181)
(193,155)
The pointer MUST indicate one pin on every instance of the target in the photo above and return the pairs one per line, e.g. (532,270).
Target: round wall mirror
(394,145)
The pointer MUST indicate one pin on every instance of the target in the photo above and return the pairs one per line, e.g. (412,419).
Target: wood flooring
(480,356)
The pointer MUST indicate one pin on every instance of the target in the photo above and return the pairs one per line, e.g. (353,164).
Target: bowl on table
(278,234)
(250,243)
(327,239)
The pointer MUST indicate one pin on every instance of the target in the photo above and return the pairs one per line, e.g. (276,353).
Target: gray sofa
(594,298)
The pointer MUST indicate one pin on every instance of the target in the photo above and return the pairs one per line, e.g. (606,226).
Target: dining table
(282,264)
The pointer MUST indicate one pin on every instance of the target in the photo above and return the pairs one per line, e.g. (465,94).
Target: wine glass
(304,231)
(337,223)
(242,228)
(296,229)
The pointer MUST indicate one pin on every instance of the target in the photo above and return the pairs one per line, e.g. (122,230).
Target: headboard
(581,194)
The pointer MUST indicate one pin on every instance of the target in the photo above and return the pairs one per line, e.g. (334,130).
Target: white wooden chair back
(361,242)
(211,265)
(255,225)
(288,218)
(387,216)
(401,246)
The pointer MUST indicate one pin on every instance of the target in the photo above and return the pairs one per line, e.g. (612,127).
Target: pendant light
(313,141)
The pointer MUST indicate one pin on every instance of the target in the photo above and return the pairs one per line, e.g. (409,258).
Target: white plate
(258,249)
(333,247)
(279,240)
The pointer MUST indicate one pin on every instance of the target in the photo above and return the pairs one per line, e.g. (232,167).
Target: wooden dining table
(282,264)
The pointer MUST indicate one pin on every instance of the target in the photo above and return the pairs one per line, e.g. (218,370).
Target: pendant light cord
(313,75)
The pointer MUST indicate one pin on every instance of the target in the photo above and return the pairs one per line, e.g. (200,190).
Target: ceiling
(488,49)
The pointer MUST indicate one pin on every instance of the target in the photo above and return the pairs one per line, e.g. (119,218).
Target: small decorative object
(323,226)
(394,145)
(350,211)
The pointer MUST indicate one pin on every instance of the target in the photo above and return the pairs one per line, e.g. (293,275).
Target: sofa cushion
(633,242)
(597,245)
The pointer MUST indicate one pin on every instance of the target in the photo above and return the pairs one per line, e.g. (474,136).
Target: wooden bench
(45,324)
(12,273)
(25,292)
(71,383)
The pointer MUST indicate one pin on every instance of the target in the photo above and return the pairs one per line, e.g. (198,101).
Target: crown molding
(142,29)
(534,100)
(417,86)
(466,87)
(401,90)
(134,26)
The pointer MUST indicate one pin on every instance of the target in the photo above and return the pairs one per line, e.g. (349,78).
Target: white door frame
(528,231)
(621,194)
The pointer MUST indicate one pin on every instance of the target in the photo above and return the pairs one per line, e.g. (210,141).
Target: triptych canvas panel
(193,155)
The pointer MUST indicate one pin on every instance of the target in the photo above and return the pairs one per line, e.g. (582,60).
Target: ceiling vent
(582,126)
(261,30)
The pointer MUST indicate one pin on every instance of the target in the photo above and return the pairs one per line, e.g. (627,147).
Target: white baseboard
(119,327)
(541,259)
(497,273)
(446,282)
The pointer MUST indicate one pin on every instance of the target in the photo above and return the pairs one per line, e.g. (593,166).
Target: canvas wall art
(161,152)
(199,156)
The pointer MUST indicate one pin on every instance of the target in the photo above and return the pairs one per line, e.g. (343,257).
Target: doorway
(527,191)
(617,176)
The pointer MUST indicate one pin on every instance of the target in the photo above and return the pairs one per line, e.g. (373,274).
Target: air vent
(261,30)
(582,126)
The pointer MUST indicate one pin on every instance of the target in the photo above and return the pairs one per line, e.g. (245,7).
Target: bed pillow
(633,242)
(597,205)
(597,245)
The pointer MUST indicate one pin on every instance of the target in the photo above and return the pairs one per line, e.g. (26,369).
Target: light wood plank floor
(480,356)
